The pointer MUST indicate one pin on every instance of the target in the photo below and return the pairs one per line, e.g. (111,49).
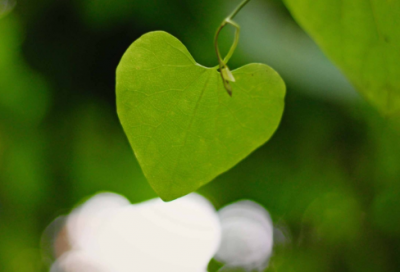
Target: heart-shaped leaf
(182,125)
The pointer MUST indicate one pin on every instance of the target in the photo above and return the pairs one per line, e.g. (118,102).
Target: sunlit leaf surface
(182,125)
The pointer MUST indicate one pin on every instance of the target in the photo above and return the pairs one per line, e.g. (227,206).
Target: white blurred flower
(86,220)
(107,234)
(247,236)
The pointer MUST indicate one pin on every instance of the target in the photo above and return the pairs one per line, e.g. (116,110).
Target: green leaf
(182,125)
(363,38)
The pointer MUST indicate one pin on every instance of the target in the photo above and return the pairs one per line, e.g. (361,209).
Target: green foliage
(23,93)
(323,217)
(183,127)
(329,176)
(363,38)
(100,154)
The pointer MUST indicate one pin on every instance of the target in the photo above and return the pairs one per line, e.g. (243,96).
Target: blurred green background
(330,176)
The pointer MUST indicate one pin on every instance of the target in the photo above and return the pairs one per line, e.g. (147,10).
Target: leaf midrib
(190,125)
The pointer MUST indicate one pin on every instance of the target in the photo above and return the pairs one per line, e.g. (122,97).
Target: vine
(226,74)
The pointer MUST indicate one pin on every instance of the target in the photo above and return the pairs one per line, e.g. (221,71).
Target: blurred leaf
(271,35)
(184,128)
(363,38)
(214,265)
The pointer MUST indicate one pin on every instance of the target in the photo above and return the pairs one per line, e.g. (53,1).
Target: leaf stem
(236,11)
(222,63)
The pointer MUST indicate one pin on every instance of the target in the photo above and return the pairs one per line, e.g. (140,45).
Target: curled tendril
(226,74)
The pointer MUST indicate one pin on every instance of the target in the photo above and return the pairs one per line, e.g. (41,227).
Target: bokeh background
(330,176)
